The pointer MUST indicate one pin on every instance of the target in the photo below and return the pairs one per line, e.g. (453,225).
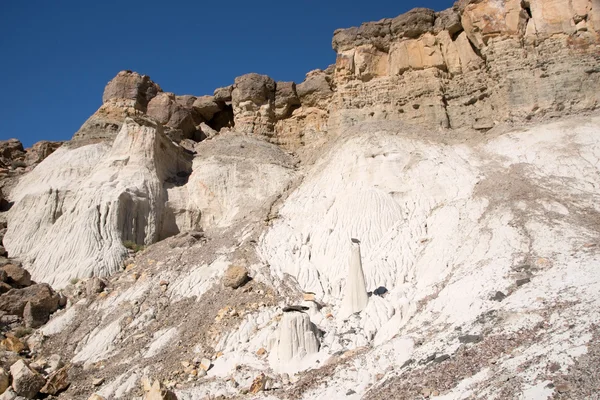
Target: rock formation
(355,292)
(110,194)
(126,95)
(432,139)
(297,337)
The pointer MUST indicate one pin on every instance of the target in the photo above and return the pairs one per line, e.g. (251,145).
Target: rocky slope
(419,220)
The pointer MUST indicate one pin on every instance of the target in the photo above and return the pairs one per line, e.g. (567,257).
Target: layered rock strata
(473,66)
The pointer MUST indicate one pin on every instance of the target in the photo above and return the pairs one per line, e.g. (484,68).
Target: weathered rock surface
(126,95)
(41,298)
(16,275)
(253,101)
(235,276)
(57,382)
(233,176)
(4,380)
(128,85)
(165,109)
(26,382)
(444,218)
(11,152)
(121,200)
(429,69)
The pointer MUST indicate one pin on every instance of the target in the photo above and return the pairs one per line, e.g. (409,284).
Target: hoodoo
(355,298)
(297,337)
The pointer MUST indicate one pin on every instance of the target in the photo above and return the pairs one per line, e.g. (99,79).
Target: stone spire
(297,337)
(355,298)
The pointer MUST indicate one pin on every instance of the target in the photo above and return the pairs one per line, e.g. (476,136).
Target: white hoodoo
(355,298)
(297,337)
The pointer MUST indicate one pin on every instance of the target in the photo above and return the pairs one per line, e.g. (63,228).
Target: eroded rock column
(297,337)
(355,297)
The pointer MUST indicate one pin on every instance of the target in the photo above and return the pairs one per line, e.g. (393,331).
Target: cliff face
(472,66)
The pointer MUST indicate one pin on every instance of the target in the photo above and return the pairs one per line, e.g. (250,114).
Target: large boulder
(133,86)
(41,297)
(165,109)
(206,107)
(259,89)
(12,153)
(16,275)
(235,276)
(223,94)
(26,382)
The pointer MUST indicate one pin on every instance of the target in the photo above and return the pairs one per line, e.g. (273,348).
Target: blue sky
(57,56)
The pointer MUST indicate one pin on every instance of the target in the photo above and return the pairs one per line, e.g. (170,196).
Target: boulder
(165,109)
(41,296)
(4,381)
(206,106)
(235,276)
(11,150)
(57,382)
(223,94)
(186,100)
(413,23)
(447,20)
(133,86)
(16,275)
(26,382)
(259,89)
(94,286)
(286,99)
(258,384)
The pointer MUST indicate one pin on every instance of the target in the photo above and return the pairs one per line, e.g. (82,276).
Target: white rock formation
(355,297)
(233,176)
(297,337)
(73,213)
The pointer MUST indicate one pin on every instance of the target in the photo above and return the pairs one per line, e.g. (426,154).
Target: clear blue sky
(57,56)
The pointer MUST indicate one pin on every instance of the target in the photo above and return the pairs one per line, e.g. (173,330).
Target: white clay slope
(426,211)
(74,211)
(443,226)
